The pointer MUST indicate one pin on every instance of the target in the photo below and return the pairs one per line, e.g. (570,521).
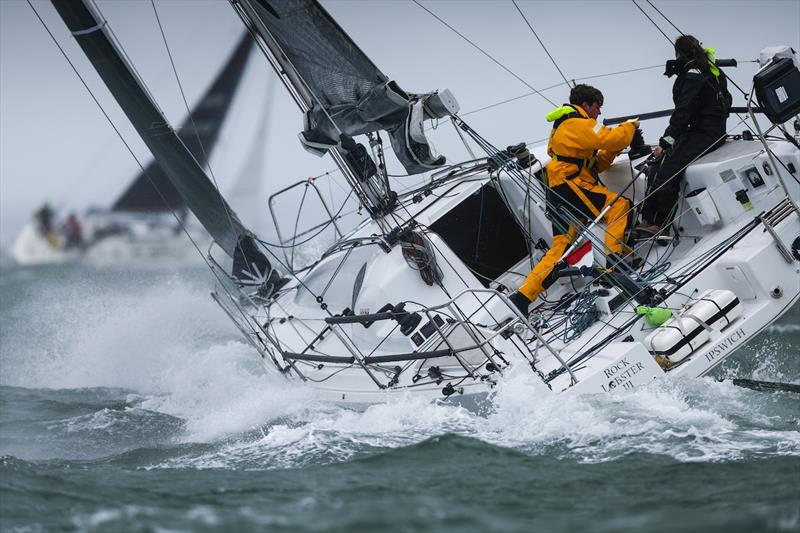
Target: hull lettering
(725,346)
(620,374)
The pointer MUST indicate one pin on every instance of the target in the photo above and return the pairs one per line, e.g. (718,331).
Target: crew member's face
(593,110)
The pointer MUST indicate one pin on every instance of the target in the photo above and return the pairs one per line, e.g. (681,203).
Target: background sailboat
(145,222)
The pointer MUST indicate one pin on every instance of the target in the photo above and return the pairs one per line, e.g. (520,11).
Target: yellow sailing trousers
(584,202)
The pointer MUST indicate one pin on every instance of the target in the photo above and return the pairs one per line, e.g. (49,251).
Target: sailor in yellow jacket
(579,151)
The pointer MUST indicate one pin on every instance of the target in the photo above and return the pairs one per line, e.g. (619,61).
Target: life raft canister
(672,343)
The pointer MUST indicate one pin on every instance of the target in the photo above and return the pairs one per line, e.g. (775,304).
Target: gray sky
(56,145)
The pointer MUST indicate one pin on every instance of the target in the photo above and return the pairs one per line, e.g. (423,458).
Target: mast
(151,190)
(184,172)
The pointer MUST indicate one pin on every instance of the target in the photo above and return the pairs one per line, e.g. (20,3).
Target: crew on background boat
(44,223)
(73,232)
(697,126)
(579,153)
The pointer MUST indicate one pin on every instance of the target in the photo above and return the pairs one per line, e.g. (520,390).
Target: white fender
(714,309)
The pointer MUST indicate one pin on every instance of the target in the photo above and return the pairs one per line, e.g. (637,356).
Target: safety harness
(559,115)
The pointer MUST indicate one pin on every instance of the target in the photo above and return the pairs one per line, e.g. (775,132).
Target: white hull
(141,240)
(348,362)
(32,248)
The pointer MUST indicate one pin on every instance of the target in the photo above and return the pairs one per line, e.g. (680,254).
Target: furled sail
(182,169)
(151,190)
(341,91)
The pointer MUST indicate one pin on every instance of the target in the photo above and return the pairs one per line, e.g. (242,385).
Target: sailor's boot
(521,302)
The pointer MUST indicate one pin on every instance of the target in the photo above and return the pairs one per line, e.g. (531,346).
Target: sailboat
(146,222)
(415,299)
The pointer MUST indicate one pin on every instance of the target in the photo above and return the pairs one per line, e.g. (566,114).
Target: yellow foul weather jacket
(579,153)
(576,138)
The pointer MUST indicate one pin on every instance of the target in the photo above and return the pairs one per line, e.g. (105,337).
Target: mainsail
(180,167)
(341,91)
(152,191)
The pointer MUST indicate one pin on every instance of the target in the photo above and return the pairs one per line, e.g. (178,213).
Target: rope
(581,316)
(484,52)
(540,42)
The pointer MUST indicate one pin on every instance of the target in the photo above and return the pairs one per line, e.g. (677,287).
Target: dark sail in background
(208,117)
(180,167)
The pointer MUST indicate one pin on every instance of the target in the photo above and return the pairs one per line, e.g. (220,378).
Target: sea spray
(120,333)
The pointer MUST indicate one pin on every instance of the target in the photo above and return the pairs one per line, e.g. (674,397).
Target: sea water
(128,402)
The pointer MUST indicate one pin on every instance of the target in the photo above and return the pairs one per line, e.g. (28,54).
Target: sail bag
(343,92)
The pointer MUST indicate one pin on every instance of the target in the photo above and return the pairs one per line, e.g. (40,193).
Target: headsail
(341,91)
(152,190)
(182,169)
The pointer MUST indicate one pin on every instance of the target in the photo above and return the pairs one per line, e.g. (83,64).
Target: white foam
(223,390)
(169,343)
(171,346)
(783,328)
(204,514)
(697,420)
(103,518)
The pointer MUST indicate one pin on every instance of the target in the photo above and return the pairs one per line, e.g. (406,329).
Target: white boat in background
(415,299)
(148,223)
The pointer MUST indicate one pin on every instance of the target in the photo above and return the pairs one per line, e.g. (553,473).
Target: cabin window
(483,234)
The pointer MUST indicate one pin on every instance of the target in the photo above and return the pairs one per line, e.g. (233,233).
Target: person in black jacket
(696,127)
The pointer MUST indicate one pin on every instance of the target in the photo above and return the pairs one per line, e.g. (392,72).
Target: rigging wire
(653,21)
(484,52)
(637,69)
(559,84)
(113,37)
(541,43)
(223,203)
(744,93)
(502,102)
(665,18)
(122,138)
(175,215)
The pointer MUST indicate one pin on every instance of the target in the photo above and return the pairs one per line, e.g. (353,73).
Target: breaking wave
(183,383)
